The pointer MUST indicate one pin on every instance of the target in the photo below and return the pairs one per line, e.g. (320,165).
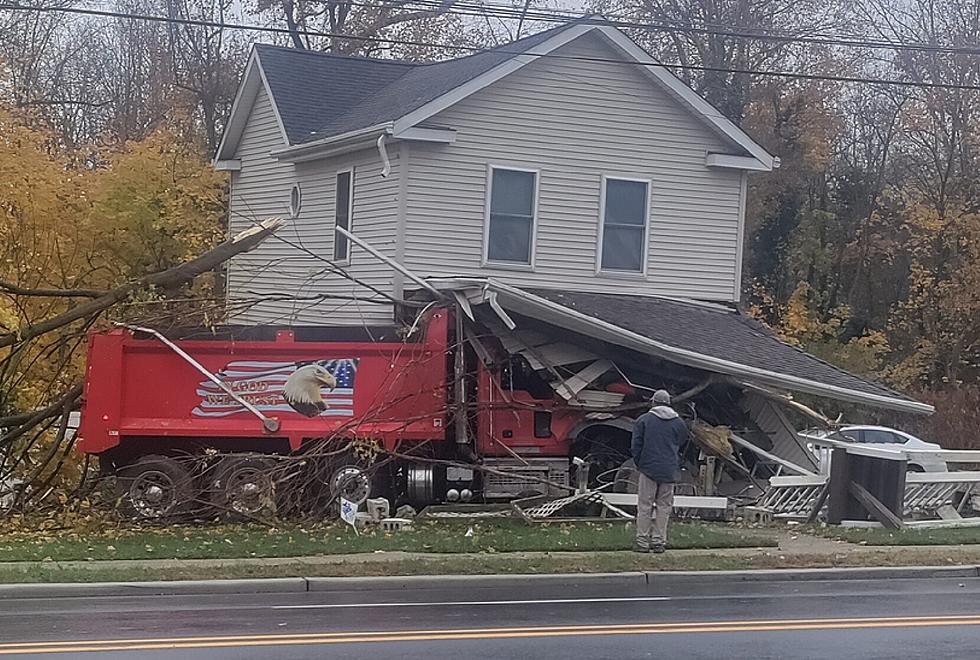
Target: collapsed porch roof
(705,336)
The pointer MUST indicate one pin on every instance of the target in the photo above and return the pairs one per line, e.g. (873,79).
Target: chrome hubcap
(249,490)
(351,483)
(153,494)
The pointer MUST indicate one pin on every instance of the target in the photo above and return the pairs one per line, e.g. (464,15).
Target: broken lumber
(873,505)
(789,465)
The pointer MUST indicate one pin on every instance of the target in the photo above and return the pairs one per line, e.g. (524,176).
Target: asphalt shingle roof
(713,331)
(320,95)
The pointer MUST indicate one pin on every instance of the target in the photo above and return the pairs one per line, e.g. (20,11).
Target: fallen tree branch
(26,421)
(16,290)
(170,278)
(697,389)
(789,401)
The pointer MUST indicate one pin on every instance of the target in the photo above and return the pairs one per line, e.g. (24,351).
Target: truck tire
(244,487)
(156,488)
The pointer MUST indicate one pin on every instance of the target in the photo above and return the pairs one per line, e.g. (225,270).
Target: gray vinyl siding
(295,264)
(576,120)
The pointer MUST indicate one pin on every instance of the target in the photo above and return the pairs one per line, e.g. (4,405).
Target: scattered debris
(396,524)
(377,508)
(405,511)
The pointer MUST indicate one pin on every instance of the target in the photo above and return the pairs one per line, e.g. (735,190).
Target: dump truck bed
(138,388)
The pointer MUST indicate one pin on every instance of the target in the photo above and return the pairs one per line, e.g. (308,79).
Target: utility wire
(499,49)
(620,21)
(473,9)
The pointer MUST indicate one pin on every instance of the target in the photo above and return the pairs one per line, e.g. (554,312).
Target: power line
(499,49)
(472,9)
(502,11)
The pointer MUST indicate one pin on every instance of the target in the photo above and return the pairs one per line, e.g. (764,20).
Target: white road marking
(473,602)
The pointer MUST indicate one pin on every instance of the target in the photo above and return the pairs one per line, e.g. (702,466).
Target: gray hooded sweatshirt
(658,437)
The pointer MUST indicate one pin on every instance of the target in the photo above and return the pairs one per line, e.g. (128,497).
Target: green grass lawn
(236,541)
(963,535)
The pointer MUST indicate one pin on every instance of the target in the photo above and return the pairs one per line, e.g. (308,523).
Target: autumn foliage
(69,230)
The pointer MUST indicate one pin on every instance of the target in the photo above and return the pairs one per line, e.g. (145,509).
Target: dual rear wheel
(238,487)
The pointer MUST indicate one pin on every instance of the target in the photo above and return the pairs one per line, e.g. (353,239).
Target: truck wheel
(352,483)
(156,488)
(243,486)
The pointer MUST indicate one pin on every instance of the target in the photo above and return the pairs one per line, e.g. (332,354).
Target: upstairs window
(623,231)
(343,208)
(510,225)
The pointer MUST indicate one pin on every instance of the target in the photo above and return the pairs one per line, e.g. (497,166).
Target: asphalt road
(716,619)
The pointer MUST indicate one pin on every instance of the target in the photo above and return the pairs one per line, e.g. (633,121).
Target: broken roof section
(705,336)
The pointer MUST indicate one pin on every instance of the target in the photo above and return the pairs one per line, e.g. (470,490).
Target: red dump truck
(239,401)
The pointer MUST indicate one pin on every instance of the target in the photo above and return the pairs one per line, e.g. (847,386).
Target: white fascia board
(228,165)
(493,75)
(735,162)
(241,108)
(689,97)
(332,145)
(528,304)
(420,134)
(361,138)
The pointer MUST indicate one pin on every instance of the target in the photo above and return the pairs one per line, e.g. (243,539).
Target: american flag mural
(261,384)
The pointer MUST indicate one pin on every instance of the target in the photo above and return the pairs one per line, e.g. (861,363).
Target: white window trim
(350,214)
(611,272)
(485,261)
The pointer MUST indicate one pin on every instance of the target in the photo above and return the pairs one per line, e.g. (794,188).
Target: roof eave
(333,145)
(534,306)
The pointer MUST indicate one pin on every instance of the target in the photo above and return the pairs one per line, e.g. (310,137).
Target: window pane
(511,216)
(878,437)
(510,238)
(512,192)
(342,215)
(622,248)
(626,202)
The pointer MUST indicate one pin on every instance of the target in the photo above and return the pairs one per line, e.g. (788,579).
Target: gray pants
(654,502)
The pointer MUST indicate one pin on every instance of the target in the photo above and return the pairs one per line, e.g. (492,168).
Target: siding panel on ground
(289,273)
(575,119)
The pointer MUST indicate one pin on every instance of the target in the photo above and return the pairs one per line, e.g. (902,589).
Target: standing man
(658,436)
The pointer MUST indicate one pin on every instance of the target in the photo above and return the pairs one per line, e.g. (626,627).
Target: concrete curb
(162,588)
(367,584)
(815,574)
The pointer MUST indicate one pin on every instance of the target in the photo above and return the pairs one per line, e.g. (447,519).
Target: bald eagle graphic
(302,389)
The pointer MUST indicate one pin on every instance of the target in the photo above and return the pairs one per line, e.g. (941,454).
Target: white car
(886,438)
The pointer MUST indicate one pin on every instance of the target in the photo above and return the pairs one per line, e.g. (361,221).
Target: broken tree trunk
(170,278)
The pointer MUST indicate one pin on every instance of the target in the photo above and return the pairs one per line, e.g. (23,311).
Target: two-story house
(565,177)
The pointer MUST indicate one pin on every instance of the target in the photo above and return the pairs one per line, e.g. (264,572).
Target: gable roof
(705,336)
(322,97)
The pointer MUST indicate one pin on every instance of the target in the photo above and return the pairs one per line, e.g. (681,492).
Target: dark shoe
(639,547)
(659,549)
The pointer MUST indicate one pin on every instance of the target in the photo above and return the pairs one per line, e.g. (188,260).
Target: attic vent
(295,201)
